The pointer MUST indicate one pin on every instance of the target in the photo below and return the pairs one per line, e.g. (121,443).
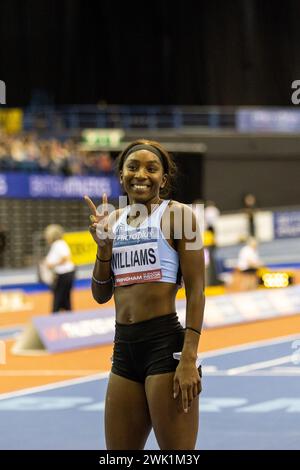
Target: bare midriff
(139,302)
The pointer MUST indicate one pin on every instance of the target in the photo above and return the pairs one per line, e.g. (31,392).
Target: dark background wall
(233,164)
(190,179)
(266,165)
(207,52)
(274,182)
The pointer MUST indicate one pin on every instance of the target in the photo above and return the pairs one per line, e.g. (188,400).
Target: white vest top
(143,254)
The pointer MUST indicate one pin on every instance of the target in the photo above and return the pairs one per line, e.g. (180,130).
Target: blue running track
(250,400)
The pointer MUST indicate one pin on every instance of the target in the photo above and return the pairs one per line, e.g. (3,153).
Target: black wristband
(103,260)
(193,329)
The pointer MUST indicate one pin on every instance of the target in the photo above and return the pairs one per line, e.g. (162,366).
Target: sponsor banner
(24,185)
(251,306)
(265,120)
(286,224)
(87,329)
(82,246)
(64,332)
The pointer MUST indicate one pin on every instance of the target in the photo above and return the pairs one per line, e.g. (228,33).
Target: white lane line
(250,345)
(272,373)
(260,365)
(37,373)
(104,375)
(257,373)
(53,386)
(12,327)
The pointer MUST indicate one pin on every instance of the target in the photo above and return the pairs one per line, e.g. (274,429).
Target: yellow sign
(82,246)
(11,120)
(209,238)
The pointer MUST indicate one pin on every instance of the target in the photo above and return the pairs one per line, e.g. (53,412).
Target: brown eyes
(134,168)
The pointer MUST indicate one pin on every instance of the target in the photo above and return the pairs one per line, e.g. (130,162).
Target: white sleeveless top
(143,254)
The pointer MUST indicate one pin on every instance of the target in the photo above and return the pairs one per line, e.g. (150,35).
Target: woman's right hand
(99,225)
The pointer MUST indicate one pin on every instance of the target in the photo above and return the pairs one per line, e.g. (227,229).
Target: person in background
(211,216)
(249,203)
(248,264)
(60,262)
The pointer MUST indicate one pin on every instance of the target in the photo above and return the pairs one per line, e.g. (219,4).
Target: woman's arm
(102,293)
(191,257)
(102,280)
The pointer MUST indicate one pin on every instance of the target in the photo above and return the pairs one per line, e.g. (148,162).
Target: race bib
(135,257)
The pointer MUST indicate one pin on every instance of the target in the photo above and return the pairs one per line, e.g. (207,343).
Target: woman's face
(250,200)
(49,239)
(142,176)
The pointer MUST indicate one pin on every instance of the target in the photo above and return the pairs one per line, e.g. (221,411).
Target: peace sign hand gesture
(99,225)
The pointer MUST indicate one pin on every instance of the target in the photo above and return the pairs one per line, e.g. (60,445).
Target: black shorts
(147,347)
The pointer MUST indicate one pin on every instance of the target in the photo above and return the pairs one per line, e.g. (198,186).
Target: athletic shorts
(147,347)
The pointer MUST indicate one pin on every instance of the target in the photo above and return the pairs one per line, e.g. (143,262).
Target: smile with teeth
(140,186)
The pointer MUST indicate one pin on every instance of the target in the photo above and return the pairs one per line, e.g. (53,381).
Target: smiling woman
(148,387)
(156,161)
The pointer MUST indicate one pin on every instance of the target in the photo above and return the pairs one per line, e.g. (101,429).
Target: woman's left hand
(188,381)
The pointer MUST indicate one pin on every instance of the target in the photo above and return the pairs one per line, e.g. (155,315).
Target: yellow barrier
(82,246)
(209,291)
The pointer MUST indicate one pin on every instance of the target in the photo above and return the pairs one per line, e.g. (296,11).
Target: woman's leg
(127,419)
(173,428)
(68,283)
(57,298)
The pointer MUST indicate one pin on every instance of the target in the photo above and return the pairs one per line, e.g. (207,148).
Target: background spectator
(211,216)
(249,203)
(248,264)
(59,260)
(27,152)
